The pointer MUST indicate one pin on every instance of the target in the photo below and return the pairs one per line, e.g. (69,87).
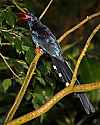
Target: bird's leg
(38,50)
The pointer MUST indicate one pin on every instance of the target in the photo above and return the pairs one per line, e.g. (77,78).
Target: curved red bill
(23,17)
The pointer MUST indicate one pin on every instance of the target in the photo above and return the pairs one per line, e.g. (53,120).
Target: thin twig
(10,67)
(74,77)
(10,31)
(5,30)
(69,46)
(22,10)
(5,44)
(22,91)
(44,12)
(78,26)
(47,106)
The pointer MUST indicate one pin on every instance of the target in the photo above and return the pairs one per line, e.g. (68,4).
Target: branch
(45,10)
(69,46)
(86,87)
(78,26)
(10,67)
(46,107)
(74,77)
(22,91)
(43,13)
(5,44)
(79,88)
(22,10)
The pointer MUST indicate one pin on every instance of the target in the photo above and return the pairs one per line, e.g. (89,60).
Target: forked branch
(67,90)
(78,26)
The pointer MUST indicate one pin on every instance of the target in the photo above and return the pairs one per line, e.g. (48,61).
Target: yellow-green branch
(46,107)
(78,26)
(45,10)
(74,77)
(23,88)
(21,9)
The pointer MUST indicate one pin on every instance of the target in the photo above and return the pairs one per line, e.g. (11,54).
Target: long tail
(65,73)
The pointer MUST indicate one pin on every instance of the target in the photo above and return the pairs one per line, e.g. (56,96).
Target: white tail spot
(67,84)
(54,67)
(60,75)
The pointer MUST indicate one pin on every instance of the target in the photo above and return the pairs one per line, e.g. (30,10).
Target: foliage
(18,50)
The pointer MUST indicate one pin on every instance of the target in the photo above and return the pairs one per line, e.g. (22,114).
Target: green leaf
(41,80)
(29,56)
(10,17)
(94,95)
(74,53)
(3,66)
(22,63)
(2,17)
(41,94)
(25,48)
(49,91)
(89,70)
(45,68)
(6,84)
(8,36)
(18,44)
(27,40)
(37,100)
(28,96)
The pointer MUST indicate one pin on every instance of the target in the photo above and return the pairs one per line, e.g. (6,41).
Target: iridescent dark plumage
(43,38)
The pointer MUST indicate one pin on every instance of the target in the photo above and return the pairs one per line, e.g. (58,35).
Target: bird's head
(25,17)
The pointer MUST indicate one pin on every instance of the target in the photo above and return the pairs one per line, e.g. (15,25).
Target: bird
(44,39)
